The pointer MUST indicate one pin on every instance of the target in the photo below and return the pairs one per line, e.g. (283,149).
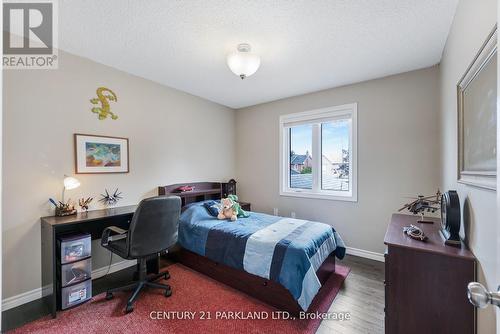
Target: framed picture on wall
(100,154)
(477,118)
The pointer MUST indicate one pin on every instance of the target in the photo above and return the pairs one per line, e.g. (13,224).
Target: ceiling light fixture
(242,62)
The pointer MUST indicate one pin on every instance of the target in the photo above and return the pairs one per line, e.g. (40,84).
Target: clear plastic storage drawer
(76,272)
(76,294)
(74,247)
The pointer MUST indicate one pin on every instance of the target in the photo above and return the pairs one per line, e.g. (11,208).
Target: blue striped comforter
(288,251)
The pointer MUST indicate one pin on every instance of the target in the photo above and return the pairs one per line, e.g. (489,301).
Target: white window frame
(312,116)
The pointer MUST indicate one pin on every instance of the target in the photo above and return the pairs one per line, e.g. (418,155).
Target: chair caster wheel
(109,295)
(129,308)
(168,293)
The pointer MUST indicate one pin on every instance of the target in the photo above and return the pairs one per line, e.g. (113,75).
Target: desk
(93,222)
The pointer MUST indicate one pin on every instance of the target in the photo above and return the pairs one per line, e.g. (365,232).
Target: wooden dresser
(426,282)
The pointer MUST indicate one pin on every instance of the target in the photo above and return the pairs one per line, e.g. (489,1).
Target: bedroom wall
(44,108)
(398,154)
(498,187)
(473,21)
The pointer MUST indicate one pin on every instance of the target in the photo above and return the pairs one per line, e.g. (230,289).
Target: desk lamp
(69,183)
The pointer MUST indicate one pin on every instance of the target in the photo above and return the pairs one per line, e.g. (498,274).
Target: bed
(281,261)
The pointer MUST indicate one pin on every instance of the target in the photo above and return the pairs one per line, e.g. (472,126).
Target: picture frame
(96,154)
(477,118)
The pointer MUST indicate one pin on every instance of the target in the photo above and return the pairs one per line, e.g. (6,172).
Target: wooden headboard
(202,191)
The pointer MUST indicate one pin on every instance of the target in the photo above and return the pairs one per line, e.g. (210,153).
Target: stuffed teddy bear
(231,209)
(227,209)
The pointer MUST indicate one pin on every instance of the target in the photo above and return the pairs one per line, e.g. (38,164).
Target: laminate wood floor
(362,295)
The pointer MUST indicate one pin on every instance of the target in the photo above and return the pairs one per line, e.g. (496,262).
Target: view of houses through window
(300,157)
(334,155)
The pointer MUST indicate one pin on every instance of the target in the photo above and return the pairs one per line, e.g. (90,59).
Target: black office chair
(153,229)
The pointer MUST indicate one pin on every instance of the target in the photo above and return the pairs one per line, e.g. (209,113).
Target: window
(318,153)
(300,158)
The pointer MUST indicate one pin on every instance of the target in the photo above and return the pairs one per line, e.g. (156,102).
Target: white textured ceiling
(305,46)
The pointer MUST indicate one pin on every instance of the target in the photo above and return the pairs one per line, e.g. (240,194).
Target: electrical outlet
(292,214)
(276,211)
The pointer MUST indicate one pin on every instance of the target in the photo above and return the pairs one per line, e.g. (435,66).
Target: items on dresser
(422,204)
(450,218)
(426,282)
(74,268)
(414,232)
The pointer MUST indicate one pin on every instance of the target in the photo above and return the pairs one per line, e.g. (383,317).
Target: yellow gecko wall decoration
(104,111)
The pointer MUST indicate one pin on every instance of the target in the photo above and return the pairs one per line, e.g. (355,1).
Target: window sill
(305,194)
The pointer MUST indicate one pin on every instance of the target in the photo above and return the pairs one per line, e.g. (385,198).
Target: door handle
(480,297)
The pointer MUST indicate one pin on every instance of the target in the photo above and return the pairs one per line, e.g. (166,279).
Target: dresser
(426,282)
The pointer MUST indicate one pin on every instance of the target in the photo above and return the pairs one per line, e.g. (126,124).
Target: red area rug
(194,297)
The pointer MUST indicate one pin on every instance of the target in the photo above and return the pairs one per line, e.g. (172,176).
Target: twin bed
(281,261)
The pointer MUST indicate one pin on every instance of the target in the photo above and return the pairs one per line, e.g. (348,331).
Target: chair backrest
(154,226)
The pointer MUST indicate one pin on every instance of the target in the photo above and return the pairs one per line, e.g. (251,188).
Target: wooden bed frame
(260,288)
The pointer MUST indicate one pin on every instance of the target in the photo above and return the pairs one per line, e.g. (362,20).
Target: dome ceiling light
(242,62)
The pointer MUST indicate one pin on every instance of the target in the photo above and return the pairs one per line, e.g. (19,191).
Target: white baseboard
(366,254)
(35,294)
(98,273)
(21,299)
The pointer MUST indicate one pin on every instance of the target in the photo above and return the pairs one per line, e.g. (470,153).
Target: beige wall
(473,21)
(498,187)
(173,138)
(398,153)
